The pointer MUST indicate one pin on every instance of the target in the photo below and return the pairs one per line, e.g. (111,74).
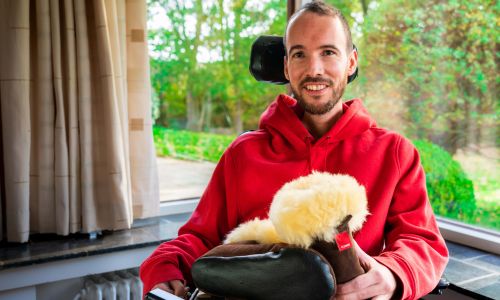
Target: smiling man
(399,246)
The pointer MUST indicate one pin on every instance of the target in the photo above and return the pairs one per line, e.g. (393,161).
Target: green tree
(441,58)
(175,67)
(236,25)
(219,92)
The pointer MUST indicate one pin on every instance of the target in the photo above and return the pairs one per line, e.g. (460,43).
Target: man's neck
(318,125)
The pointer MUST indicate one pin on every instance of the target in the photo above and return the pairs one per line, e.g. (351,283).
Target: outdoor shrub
(190,145)
(450,191)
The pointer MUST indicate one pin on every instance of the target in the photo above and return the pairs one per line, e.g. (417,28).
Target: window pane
(428,70)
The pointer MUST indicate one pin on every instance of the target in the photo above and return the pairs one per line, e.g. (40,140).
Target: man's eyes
(328,52)
(298,55)
(301,54)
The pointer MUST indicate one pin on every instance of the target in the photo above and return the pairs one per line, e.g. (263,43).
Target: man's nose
(315,66)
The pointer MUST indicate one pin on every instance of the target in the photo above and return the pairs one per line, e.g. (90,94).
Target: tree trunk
(238,118)
(451,135)
(414,114)
(163,116)
(193,102)
(364,5)
(207,124)
(192,113)
(238,27)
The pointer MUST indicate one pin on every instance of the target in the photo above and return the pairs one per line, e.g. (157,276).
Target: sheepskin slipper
(289,273)
(312,207)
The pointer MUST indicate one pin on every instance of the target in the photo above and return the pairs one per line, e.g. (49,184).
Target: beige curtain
(78,152)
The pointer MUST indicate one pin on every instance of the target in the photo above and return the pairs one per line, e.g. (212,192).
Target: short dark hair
(321,8)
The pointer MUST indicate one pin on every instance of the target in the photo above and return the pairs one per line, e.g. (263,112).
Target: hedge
(450,191)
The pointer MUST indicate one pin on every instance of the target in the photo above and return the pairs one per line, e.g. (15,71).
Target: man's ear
(353,62)
(285,60)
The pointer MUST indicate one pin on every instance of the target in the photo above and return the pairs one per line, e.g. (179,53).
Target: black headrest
(266,60)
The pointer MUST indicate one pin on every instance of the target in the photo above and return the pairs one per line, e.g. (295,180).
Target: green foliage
(437,57)
(190,145)
(441,58)
(488,213)
(197,94)
(483,171)
(450,191)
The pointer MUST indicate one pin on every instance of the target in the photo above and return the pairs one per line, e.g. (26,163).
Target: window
(427,69)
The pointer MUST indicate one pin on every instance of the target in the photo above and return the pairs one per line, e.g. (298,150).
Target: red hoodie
(400,232)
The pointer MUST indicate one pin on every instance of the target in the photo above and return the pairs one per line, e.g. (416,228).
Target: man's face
(317,63)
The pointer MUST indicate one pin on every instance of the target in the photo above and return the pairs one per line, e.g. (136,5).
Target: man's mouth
(315,87)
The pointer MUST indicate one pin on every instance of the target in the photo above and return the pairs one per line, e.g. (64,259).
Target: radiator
(119,285)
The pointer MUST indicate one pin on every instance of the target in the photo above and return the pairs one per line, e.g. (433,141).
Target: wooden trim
(290,8)
(3,201)
(293,6)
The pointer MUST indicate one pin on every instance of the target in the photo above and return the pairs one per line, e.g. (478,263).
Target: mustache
(310,79)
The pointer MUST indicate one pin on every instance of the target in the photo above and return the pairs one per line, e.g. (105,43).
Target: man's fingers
(378,282)
(364,259)
(361,282)
(178,288)
(373,291)
(175,287)
(360,253)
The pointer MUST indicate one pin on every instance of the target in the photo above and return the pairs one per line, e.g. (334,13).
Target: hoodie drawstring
(309,160)
(317,154)
(327,144)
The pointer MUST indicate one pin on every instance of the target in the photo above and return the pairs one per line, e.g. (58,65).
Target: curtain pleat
(61,163)
(87,143)
(71,103)
(76,158)
(43,117)
(111,212)
(14,88)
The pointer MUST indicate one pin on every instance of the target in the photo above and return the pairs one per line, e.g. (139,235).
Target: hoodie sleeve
(415,250)
(211,220)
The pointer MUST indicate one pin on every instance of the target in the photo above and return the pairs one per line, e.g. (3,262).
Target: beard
(311,108)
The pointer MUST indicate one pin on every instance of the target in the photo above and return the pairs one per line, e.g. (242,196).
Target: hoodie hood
(282,119)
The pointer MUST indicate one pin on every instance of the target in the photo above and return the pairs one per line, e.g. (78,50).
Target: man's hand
(377,283)
(175,287)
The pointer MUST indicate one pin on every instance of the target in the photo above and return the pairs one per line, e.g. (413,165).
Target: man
(399,246)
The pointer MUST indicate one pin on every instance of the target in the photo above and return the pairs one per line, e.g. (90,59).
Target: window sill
(180,206)
(469,235)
